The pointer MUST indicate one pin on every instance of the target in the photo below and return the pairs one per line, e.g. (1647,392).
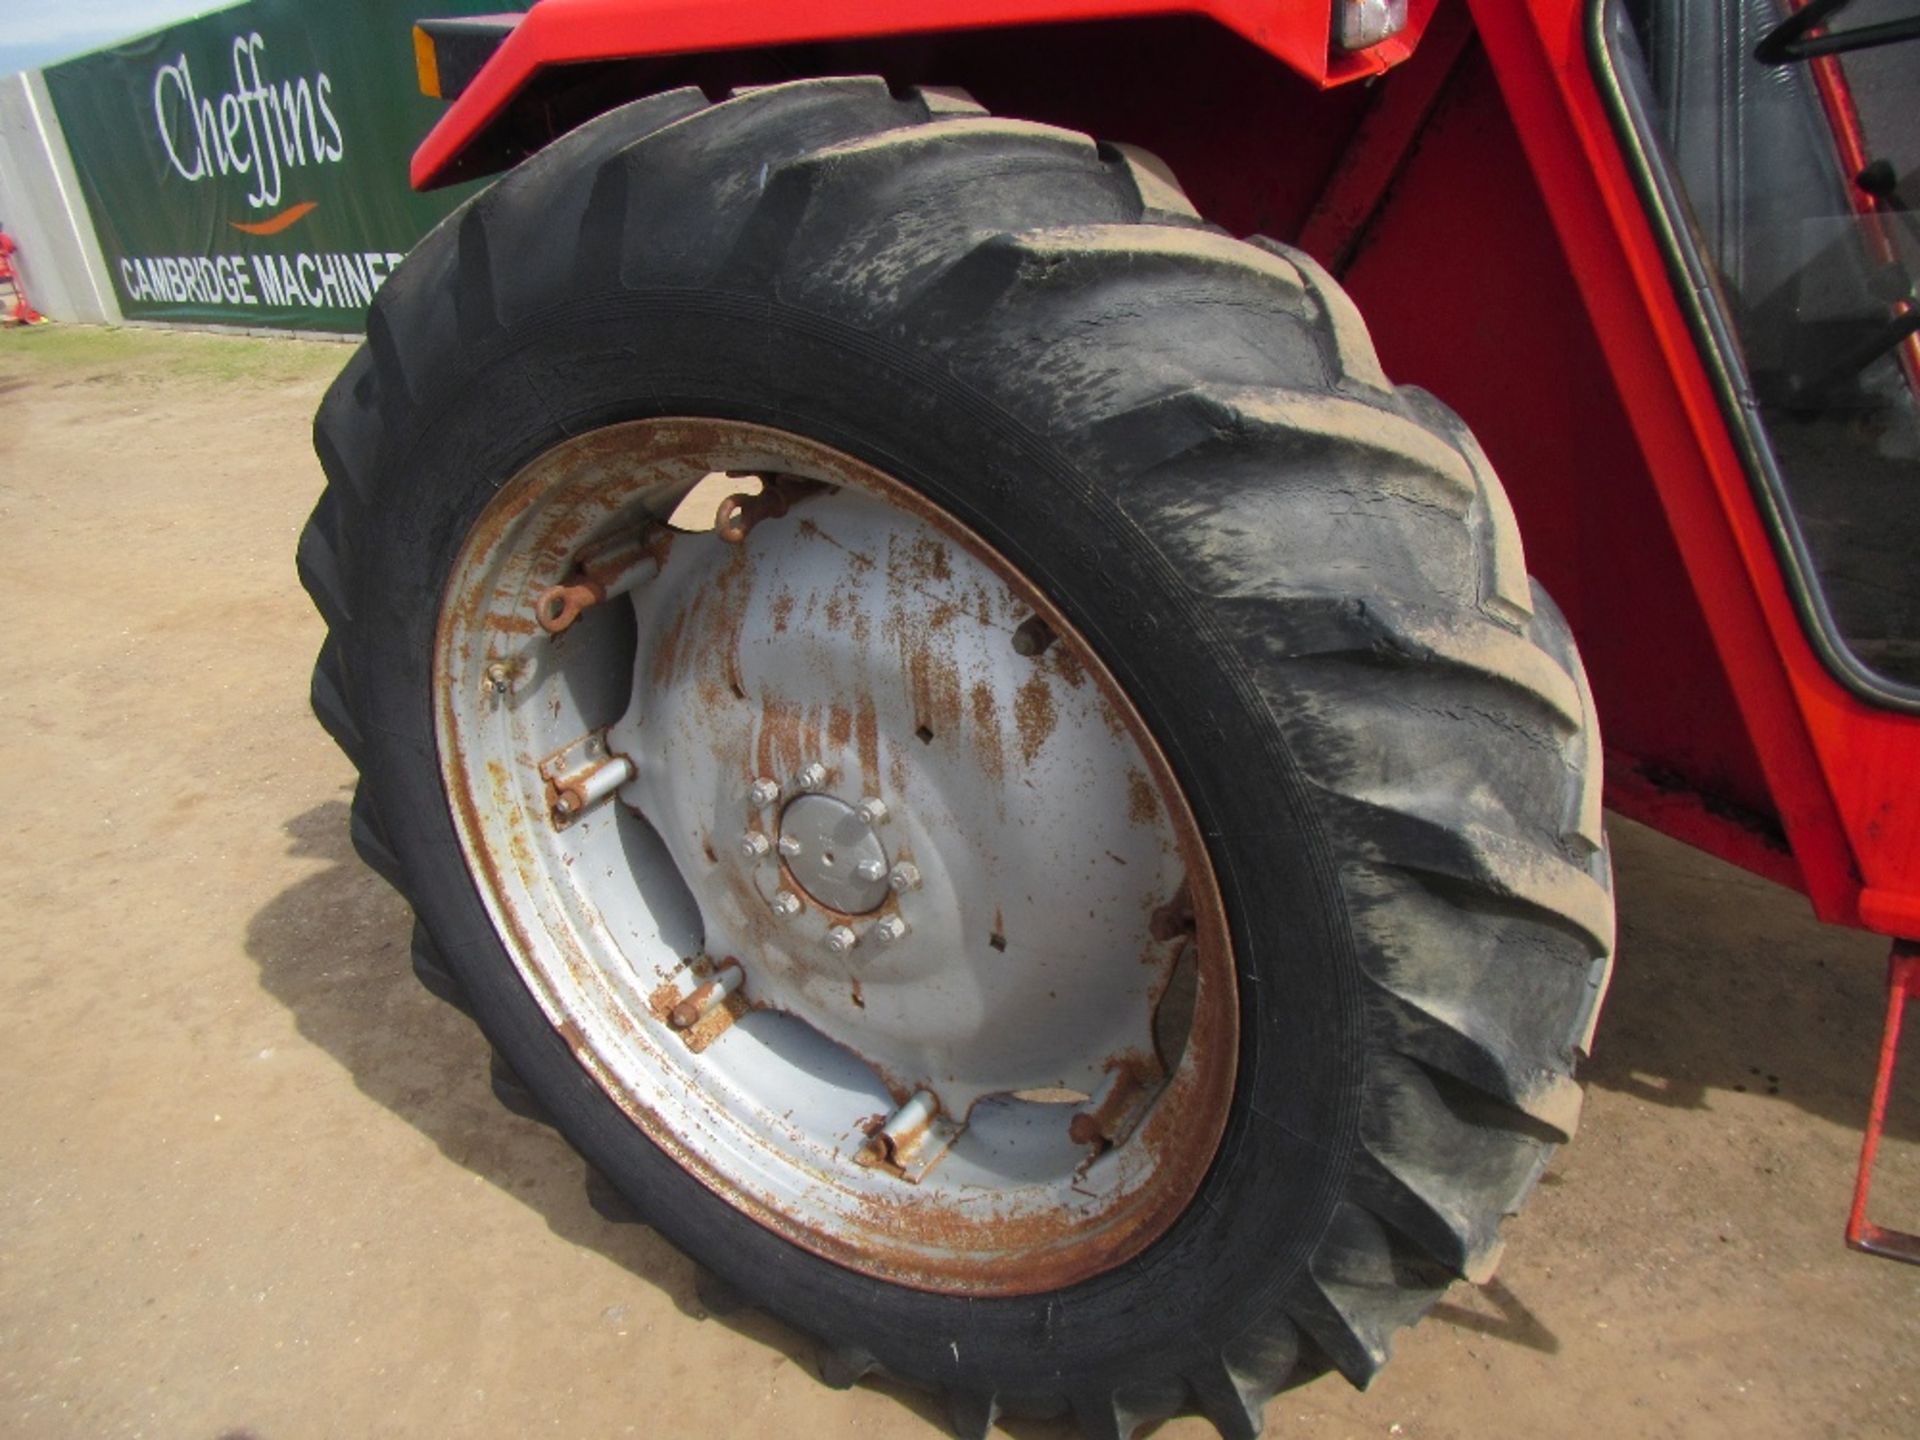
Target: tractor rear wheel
(965,745)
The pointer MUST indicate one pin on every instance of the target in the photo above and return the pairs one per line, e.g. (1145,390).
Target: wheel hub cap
(835,857)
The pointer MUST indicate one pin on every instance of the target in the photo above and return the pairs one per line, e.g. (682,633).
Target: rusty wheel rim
(837,856)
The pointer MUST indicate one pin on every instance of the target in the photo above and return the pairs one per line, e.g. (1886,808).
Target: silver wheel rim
(837,857)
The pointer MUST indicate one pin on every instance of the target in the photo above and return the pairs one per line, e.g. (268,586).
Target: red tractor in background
(977,755)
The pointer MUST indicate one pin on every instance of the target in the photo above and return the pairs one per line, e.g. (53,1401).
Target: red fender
(565,32)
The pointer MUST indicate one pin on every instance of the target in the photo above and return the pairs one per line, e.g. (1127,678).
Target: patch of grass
(78,352)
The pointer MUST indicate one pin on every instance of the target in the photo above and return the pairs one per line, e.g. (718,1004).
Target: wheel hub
(833,855)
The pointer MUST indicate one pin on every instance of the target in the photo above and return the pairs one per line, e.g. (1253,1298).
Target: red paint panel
(558,32)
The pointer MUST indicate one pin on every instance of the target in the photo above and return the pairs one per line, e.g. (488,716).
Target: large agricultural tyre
(1081,884)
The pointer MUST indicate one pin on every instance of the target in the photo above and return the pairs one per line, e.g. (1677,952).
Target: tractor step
(1903,983)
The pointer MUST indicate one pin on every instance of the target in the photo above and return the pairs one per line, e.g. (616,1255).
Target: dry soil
(253,1181)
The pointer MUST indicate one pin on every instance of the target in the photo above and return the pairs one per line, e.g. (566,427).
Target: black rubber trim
(462,47)
(1707,315)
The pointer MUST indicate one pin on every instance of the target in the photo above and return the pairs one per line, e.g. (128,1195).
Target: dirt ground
(253,1181)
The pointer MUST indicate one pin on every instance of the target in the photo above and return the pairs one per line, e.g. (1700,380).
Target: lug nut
(764,792)
(872,811)
(870,869)
(786,904)
(904,877)
(890,929)
(753,845)
(811,777)
(789,846)
(840,940)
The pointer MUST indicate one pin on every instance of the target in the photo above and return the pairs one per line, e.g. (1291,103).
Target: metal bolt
(786,904)
(1033,637)
(872,811)
(753,845)
(904,877)
(499,677)
(840,940)
(811,777)
(574,796)
(697,1006)
(870,869)
(764,792)
(890,929)
(906,1127)
(789,846)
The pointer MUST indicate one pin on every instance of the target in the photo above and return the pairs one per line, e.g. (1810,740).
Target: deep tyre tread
(433,973)
(716,1295)
(370,843)
(512,1092)
(328,697)
(1212,410)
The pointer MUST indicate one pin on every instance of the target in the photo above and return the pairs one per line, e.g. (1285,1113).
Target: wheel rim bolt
(786,904)
(904,877)
(811,777)
(903,1129)
(870,869)
(789,846)
(576,796)
(890,929)
(872,811)
(1033,637)
(753,845)
(697,1006)
(764,791)
(840,940)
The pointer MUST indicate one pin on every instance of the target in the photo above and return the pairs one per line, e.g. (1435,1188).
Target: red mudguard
(564,32)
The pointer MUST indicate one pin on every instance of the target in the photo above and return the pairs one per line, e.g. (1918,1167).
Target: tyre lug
(811,777)
(786,904)
(754,845)
(840,940)
(870,870)
(697,1006)
(890,930)
(789,847)
(904,877)
(872,811)
(763,792)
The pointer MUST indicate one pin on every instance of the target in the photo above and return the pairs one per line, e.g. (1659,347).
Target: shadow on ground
(1724,982)
(334,949)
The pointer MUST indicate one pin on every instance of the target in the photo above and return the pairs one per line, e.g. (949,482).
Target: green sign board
(249,167)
